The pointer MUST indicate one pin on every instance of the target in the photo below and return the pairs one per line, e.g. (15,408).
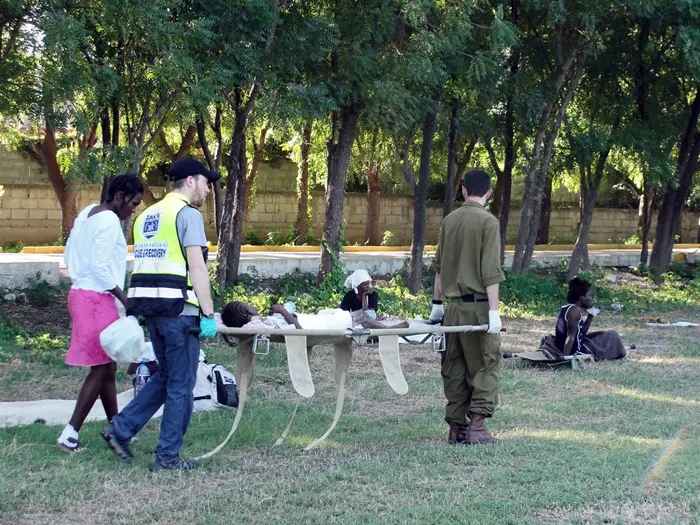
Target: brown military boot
(477,434)
(458,434)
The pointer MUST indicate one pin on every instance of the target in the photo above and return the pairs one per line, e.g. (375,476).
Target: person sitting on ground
(360,295)
(572,336)
(237,314)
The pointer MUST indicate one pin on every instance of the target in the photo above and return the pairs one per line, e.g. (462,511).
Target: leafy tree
(555,63)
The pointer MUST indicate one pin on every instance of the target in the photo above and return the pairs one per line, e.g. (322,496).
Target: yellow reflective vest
(160,284)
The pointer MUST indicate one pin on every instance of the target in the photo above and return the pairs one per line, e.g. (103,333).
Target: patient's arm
(288,317)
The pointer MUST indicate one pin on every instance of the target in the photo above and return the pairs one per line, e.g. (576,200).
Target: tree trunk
(497,198)
(589,191)
(231,235)
(674,196)
(520,262)
(66,196)
(642,84)
(186,143)
(580,250)
(115,123)
(415,266)
(302,223)
(339,149)
(510,152)
(250,182)
(372,235)
(451,161)
(546,214)
(105,127)
(69,210)
(646,201)
(523,256)
(211,164)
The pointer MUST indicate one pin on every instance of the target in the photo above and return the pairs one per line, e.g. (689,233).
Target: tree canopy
(396,94)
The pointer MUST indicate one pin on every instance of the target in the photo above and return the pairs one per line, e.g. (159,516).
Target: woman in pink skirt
(96,259)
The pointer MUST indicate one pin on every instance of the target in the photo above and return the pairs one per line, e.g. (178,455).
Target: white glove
(437,313)
(593,311)
(494,322)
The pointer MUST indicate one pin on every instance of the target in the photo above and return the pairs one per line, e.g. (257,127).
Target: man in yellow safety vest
(170,288)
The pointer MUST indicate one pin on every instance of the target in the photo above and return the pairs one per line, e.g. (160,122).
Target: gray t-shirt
(190,230)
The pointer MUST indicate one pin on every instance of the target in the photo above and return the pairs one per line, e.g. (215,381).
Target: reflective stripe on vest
(159,283)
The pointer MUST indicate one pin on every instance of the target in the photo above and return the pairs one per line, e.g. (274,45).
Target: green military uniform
(468,259)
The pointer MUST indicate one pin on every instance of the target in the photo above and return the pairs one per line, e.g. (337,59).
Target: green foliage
(539,294)
(274,150)
(275,238)
(635,238)
(39,293)
(42,348)
(253,239)
(14,247)
(389,239)
(17,344)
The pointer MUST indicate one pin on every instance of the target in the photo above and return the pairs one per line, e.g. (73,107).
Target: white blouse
(96,252)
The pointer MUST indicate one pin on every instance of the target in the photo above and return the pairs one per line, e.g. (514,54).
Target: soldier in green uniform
(468,272)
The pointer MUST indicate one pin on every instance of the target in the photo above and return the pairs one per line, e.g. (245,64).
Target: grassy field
(617,442)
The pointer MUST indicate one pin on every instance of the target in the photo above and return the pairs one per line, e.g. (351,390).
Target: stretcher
(256,341)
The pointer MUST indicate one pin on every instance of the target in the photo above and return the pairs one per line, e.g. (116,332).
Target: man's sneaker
(119,447)
(176,463)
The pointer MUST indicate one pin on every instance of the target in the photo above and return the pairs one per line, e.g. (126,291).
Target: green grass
(616,442)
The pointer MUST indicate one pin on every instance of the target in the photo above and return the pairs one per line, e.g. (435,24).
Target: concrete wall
(29,212)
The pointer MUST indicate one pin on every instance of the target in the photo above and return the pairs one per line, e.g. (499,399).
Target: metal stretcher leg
(389,355)
(343,356)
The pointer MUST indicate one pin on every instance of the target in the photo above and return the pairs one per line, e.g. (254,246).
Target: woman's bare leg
(91,389)
(108,394)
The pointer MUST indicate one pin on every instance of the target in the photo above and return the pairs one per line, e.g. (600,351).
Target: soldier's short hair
(477,183)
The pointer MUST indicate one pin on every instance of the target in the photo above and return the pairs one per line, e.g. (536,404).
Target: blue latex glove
(207,327)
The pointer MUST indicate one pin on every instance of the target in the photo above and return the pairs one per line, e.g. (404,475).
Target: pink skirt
(91,313)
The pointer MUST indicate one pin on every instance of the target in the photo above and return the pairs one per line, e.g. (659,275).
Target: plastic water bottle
(142,377)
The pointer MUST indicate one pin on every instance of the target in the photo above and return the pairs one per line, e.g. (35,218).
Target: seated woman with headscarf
(572,336)
(360,295)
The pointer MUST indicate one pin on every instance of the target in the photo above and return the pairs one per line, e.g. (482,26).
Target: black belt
(471,298)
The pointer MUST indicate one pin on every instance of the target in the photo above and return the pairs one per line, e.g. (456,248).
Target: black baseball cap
(189,167)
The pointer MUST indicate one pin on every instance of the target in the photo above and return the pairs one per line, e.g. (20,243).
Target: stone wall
(29,211)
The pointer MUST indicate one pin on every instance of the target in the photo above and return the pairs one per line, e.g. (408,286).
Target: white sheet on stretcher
(340,319)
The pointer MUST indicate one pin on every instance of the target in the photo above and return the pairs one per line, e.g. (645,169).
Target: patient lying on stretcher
(237,314)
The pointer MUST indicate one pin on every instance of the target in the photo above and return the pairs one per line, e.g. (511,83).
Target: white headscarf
(357,278)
